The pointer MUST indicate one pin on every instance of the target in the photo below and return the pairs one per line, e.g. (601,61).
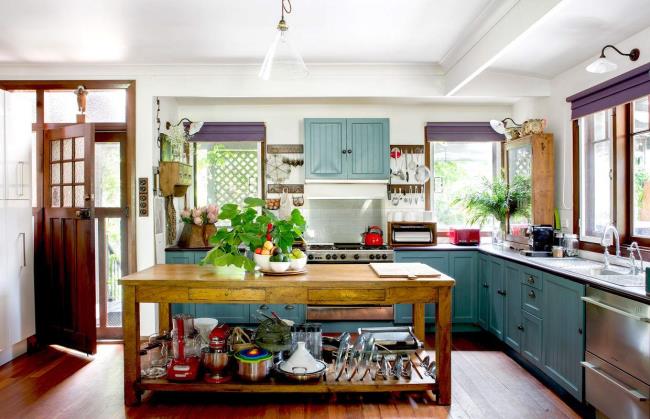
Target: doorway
(110,116)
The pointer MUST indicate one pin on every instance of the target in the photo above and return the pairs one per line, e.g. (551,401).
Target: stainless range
(349,253)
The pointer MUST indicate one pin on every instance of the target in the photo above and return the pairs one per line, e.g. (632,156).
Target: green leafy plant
(497,199)
(250,226)
(640,179)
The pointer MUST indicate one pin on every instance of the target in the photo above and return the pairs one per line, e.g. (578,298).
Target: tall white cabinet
(17,308)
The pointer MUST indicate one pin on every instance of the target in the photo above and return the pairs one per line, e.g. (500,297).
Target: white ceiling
(573,32)
(236,31)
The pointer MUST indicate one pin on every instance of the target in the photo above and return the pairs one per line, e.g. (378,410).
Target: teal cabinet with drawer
(460,265)
(339,148)
(228,313)
(562,332)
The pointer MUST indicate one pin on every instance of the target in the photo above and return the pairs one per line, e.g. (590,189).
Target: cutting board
(404,270)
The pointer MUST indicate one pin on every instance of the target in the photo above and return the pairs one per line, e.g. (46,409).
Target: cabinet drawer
(531,300)
(339,296)
(295,312)
(531,278)
(227,294)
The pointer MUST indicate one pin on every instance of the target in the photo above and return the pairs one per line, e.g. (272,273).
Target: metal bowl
(302,377)
(251,369)
(214,361)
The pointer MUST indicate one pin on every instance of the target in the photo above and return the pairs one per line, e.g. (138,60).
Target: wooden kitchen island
(328,284)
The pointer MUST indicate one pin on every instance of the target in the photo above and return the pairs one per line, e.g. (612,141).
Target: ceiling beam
(499,84)
(521,16)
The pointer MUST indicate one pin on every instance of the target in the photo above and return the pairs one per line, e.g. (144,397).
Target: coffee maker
(540,241)
(184,366)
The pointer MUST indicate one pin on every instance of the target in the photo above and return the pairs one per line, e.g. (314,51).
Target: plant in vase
(173,143)
(198,226)
(497,199)
(253,228)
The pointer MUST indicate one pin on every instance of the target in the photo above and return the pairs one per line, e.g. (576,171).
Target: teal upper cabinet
(563,338)
(368,149)
(326,148)
(341,149)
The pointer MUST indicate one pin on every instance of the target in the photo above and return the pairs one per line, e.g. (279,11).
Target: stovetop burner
(345,246)
(348,253)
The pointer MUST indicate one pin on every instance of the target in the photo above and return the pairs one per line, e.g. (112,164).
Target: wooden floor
(56,383)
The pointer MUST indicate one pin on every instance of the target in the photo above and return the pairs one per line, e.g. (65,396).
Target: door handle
(629,390)
(24,265)
(501,292)
(597,303)
(485,285)
(264,307)
(289,307)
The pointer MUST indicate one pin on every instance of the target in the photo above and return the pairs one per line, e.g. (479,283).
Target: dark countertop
(635,293)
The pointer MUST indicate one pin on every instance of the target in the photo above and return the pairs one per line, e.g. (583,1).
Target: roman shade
(621,89)
(230,131)
(461,131)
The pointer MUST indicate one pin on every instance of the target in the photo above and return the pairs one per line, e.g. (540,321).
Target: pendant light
(282,60)
(603,65)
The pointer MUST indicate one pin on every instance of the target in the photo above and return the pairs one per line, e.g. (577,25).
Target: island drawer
(344,296)
(531,300)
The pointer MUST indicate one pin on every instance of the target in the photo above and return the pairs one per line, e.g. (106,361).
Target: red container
(465,236)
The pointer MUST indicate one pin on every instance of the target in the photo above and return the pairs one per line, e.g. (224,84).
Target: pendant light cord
(286,7)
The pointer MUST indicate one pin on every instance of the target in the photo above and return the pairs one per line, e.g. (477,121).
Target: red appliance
(373,237)
(182,368)
(465,236)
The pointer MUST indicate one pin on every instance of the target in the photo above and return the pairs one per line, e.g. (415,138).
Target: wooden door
(368,150)
(325,148)
(69,236)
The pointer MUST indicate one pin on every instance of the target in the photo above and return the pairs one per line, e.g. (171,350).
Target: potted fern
(497,199)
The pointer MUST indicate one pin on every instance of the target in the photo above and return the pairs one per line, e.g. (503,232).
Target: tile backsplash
(342,220)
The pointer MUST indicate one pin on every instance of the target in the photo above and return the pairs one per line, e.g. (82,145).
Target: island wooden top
(321,275)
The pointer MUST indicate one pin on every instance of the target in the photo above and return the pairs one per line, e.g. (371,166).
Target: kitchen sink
(618,275)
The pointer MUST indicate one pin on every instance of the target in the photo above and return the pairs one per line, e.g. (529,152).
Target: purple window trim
(230,131)
(613,92)
(461,131)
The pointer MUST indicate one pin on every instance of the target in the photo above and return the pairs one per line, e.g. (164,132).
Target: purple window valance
(231,131)
(621,89)
(461,131)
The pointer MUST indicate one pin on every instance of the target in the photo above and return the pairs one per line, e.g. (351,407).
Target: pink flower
(196,212)
(198,221)
(212,208)
(185,213)
(212,218)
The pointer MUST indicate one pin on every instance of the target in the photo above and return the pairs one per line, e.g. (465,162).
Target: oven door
(346,313)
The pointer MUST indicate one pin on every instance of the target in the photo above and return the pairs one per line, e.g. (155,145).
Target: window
(640,142)
(227,172)
(596,174)
(458,167)
(101,106)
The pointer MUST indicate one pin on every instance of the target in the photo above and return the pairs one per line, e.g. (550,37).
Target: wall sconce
(511,132)
(603,65)
(191,127)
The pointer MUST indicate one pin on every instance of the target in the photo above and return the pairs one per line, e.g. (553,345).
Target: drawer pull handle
(289,307)
(264,307)
(614,309)
(520,327)
(501,292)
(485,285)
(531,294)
(531,280)
(629,390)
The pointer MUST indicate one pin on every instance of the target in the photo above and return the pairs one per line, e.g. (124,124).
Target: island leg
(418,320)
(443,346)
(164,317)
(131,331)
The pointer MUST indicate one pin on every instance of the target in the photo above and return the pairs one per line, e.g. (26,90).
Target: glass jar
(571,245)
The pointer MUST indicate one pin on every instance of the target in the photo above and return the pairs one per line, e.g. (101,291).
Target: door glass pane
(56,196)
(111,272)
(107,175)
(79,172)
(67,149)
(67,196)
(79,148)
(640,109)
(67,172)
(56,173)
(56,150)
(596,189)
(101,106)
(641,185)
(79,196)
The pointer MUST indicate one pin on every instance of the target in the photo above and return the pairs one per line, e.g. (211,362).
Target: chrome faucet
(606,241)
(633,268)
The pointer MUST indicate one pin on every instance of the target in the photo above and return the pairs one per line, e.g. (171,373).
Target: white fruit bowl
(279,266)
(262,261)
(298,264)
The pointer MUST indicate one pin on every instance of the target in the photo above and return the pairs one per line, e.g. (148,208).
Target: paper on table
(404,270)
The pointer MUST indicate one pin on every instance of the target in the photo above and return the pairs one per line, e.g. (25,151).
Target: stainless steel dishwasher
(617,362)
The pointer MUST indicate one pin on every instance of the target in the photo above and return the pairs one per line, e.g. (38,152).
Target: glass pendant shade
(601,65)
(282,60)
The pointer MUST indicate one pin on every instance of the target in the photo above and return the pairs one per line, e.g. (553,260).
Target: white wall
(558,113)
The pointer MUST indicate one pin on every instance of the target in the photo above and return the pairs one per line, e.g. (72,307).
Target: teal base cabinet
(562,333)
(512,331)
(460,265)
(229,313)
(341,149)
(497,298)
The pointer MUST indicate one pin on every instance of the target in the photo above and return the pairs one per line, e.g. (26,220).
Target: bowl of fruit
(262,255)
(298,260)
(279,262)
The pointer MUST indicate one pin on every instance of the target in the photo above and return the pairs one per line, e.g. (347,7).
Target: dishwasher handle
(597,303)
(629,390)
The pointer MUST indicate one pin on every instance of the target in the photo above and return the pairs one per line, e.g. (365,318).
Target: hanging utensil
(412,165)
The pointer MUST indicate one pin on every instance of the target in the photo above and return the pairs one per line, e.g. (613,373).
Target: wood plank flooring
(56,383)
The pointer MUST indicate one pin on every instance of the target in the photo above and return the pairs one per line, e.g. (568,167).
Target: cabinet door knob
(264,307)
(520,327)
(531,280)
(485,285)
(531,294)
(501,292)
(349,151)
(289,307)
(344,151)
(580,330)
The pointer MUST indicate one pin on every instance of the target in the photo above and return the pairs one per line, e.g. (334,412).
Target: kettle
(373,237)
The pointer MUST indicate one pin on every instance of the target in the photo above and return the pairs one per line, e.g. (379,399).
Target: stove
(348,253)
